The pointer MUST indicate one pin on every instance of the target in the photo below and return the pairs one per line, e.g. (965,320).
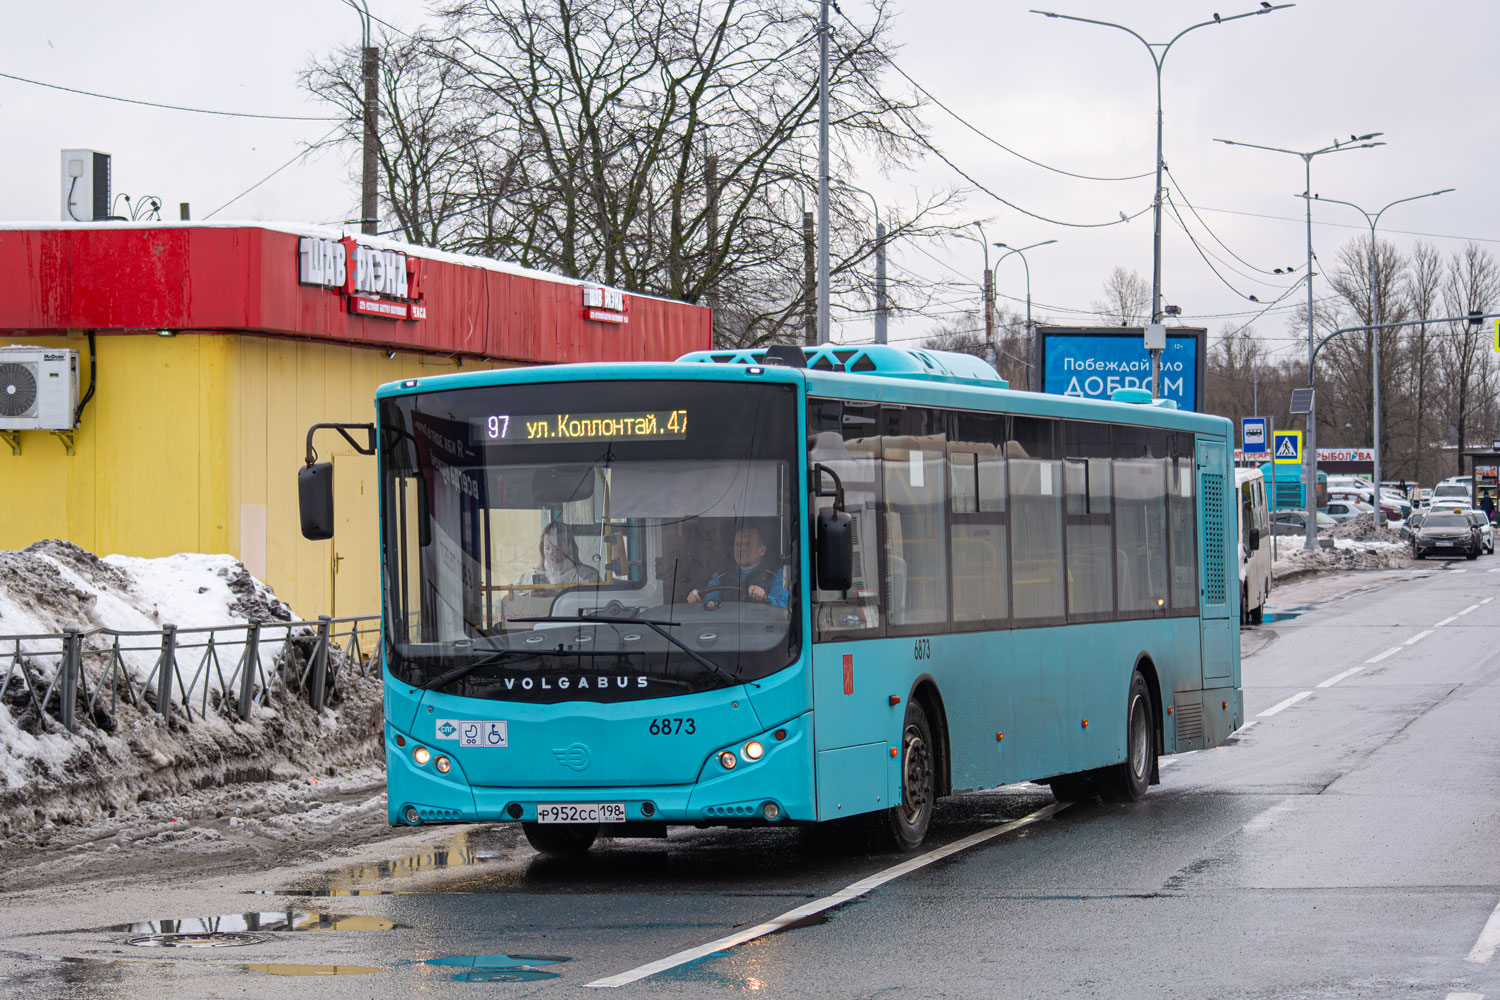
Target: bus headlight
(421,755)
(443,764)
(753,750)
(728,760)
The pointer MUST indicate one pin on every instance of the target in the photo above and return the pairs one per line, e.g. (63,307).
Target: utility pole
(369,202)
(989,311)
(810,282)
(711,283)
(880,302)
(825,333)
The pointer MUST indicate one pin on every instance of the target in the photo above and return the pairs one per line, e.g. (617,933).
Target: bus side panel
(1219,571)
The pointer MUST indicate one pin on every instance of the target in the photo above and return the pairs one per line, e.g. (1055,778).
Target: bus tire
(904,826)
(1258,615)
(570,839)
(1128,781)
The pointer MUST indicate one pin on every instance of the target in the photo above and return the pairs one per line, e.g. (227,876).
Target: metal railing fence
(307,658)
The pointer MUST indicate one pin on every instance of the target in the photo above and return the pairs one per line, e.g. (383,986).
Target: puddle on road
(284,969)
(458,851)
(249,923)
(499,968)
(1284,615)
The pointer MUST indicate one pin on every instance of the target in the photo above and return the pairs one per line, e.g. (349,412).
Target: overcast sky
(1077,97)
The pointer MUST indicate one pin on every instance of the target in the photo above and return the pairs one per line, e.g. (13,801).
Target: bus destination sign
(657,425)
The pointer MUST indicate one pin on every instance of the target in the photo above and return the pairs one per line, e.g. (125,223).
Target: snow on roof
(334,233)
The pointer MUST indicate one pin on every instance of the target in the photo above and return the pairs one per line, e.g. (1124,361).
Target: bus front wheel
(905,825)
(1128,781)
(561,838)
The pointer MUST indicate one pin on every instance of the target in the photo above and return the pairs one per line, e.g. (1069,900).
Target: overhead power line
(174,107)
(273,173)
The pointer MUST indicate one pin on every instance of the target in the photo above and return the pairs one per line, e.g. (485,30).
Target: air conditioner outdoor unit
(38,388)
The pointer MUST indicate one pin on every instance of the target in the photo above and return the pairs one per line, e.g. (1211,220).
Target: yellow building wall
(192,444)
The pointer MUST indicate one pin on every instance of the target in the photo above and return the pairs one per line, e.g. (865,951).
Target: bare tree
(666,147)
(1464,354)
(1127,299)
(1233,372)
(428,133)
(1423,280)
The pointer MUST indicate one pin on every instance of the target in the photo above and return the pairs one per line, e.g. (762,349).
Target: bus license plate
(581,812)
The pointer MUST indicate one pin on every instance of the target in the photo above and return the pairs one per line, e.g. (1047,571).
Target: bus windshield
(598,541)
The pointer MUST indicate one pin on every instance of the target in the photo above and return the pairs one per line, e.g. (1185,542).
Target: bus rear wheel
(1128,781)
(904,826)
(561,838)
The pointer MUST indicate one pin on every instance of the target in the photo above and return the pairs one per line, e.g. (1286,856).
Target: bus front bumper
(776,788)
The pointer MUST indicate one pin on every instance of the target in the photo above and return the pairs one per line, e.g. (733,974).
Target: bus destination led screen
(540,428)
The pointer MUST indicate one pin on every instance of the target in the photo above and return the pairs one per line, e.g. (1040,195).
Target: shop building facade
(204,353)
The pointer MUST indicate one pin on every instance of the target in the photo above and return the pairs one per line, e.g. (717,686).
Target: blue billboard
(1092,362)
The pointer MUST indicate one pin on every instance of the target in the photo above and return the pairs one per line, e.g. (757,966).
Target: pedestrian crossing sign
(1287,447)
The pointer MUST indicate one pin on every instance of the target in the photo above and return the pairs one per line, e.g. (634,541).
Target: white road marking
(1265,819)
(1285,704)
(1449,620)
(1466,996)
(1388,652)
(1489,599)
(1489,940)
(1330,682)
(819,905)
(1418,637)
(1472,607)
(1458,571)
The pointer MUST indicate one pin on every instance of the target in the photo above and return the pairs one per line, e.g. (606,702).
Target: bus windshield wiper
(656,626)
(457,673)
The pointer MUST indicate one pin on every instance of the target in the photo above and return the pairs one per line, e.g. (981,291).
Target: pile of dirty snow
(125,754)
(1357,545)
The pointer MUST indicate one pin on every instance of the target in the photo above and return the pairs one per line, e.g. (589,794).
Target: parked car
(1446,533)
(1403,505)
(1411,524)
(1293,521)
(1449,491)
(1486,530)
(1344,510)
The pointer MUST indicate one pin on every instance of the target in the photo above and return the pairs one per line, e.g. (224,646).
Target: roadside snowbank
(120,758)
(1357,545)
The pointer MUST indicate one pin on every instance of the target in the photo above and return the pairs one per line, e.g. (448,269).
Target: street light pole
(1157,60)
(1374,220)
(1030,333)
(824,333)
(1310,459)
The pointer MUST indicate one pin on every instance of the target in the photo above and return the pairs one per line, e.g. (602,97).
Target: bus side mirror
(833,550)
(1254,539)
(315,500)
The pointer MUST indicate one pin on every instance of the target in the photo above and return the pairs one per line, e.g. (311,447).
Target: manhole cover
(209,939)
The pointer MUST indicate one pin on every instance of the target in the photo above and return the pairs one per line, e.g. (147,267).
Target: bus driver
(756,578)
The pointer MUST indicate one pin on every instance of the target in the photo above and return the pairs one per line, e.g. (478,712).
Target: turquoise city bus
(788,587)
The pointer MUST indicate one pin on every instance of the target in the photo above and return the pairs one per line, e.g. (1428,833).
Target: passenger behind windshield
(558,561)
(750,577)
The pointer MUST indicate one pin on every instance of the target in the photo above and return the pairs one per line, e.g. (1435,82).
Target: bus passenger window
(915,511)
(853,452)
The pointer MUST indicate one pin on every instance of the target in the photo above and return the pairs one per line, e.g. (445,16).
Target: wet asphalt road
(1346,843)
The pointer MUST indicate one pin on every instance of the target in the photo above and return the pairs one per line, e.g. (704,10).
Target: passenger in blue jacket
(757,578)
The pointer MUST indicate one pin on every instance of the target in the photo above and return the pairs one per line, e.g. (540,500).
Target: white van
(1255,545)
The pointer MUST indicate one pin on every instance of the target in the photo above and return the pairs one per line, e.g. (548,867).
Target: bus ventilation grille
(1213,538)
(739,809)
(1189,721)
